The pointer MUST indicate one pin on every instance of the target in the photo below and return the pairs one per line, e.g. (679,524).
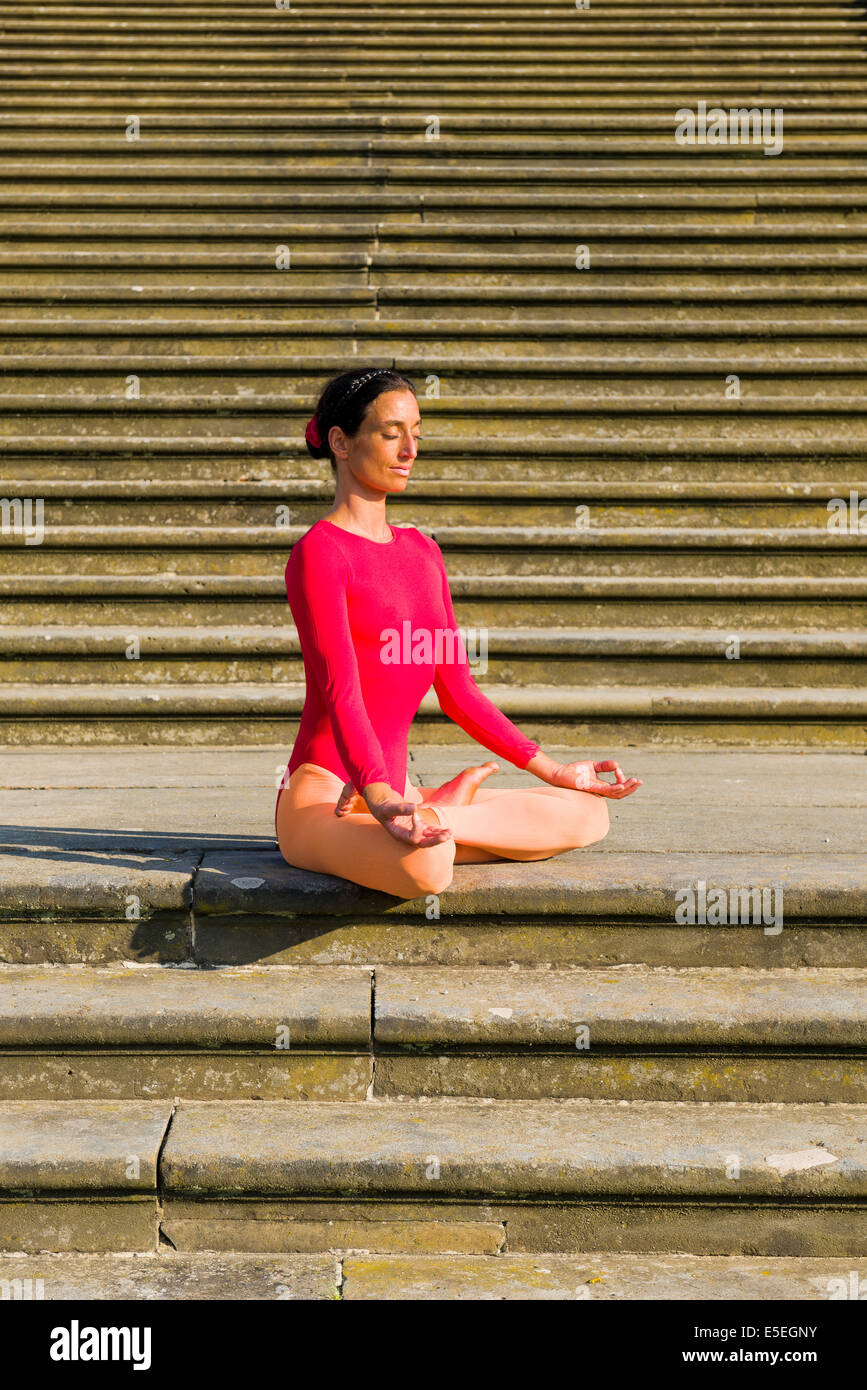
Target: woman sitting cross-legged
(377,628)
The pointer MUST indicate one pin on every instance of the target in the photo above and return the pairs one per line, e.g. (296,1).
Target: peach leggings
(531,823)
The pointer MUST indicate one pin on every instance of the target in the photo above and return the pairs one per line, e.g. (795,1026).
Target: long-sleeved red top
(377,629)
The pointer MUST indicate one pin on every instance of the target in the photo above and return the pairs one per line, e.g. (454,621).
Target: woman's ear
(337,442)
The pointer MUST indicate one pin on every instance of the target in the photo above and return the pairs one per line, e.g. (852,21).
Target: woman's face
(382,453)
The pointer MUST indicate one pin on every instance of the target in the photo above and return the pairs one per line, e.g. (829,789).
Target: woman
(377,628)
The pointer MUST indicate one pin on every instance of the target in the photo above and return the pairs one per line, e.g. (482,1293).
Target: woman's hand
(397,815)
(350,802)
(584,776)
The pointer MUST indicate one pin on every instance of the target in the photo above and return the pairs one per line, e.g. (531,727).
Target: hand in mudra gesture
(584,777)
(397,815)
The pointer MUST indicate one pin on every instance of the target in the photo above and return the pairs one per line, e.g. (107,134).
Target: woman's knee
(429,870)
(595,821)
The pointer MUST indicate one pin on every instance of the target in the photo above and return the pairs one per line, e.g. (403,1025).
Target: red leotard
(359,604)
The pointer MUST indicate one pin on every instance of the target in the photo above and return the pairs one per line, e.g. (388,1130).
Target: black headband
(360,380)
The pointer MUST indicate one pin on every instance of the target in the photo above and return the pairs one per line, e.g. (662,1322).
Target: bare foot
(458,792)
(461,789)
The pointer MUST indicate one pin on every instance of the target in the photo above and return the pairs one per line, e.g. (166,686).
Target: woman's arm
(461,699)
(317,577)
(583,776)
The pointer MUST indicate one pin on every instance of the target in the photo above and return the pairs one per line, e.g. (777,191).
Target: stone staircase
(220,1077)
(628,465)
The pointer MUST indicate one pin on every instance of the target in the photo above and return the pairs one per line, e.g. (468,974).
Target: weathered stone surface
(360,1210)
(243,882)
(630,1006)
(90,1147)
(338,1232)
(101,884)
(711,1226)
(160,1275)
(553,939)
(146,1006)
(80,1223)
(804,799)
(613,903)
(165,938)
(593,1277)
(201,1075)
(716,1227)
(635,884)
(582,1148)
(666,819)
(711,1076)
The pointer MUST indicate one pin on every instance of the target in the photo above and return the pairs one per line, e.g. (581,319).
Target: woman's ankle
(434,814)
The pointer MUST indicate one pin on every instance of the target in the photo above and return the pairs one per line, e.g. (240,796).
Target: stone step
(805,539)
(476,9)
(258,39)
(241,571)
(147,1032)
(28,132)
(496,1033)
(765,604)
(370,200)
(775,373)
(600,61)
(625,433)
(730,86)
(628,395)
(635,1006)
(832,519)
(332,1033)
(449,251)
(495,357)
(160,897)
(230,1276)
(62,183)
(80,1176)
(555,283)
(493,204)
(315,493)
(844,143)
(549,1277)
(152,1007)
(634,434)
(113,231)
(41,53)
(563,1174)
(181,26)
(695,643)
(524,673)
(737,329)
(445,1175)
(510,657)
(520,703)
(242,97)
(600,607)
(348,195)
(825,732)
(695,476)
(164,1275)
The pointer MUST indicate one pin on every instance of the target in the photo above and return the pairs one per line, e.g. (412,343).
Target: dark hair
(345,399)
